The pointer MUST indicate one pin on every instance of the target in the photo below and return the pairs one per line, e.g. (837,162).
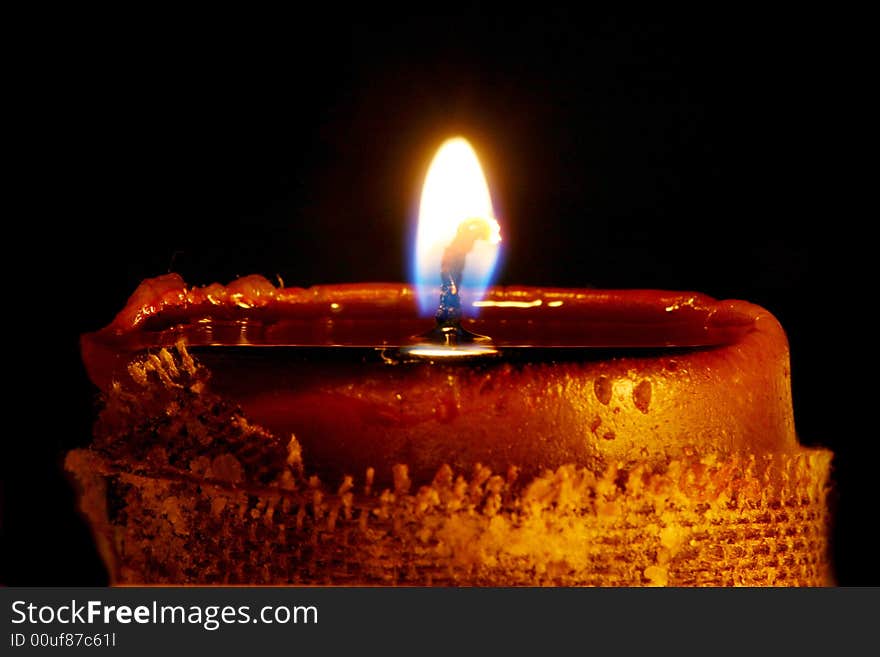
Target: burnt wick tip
(448,330)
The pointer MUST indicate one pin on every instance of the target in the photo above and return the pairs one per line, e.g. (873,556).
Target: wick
(448,330)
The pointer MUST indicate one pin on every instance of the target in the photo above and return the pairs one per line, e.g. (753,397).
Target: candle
(262,434)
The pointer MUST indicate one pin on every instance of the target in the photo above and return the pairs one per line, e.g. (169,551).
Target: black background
(693,151)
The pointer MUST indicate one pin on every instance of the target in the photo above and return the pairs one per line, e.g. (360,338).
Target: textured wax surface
(181,488)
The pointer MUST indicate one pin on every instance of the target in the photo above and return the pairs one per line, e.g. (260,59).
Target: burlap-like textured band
(741,521)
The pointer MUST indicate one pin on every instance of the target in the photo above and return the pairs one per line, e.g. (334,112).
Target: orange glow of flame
(455,191)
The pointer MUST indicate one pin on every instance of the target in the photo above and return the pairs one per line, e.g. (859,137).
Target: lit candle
(598,437)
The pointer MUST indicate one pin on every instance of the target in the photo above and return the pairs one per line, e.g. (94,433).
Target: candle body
(629,389)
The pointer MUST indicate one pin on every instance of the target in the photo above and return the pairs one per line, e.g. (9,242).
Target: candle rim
(165,309)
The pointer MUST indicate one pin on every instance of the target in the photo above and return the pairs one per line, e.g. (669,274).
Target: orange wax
(640,420)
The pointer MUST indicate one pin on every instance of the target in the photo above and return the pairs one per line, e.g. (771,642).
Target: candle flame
(455,194)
